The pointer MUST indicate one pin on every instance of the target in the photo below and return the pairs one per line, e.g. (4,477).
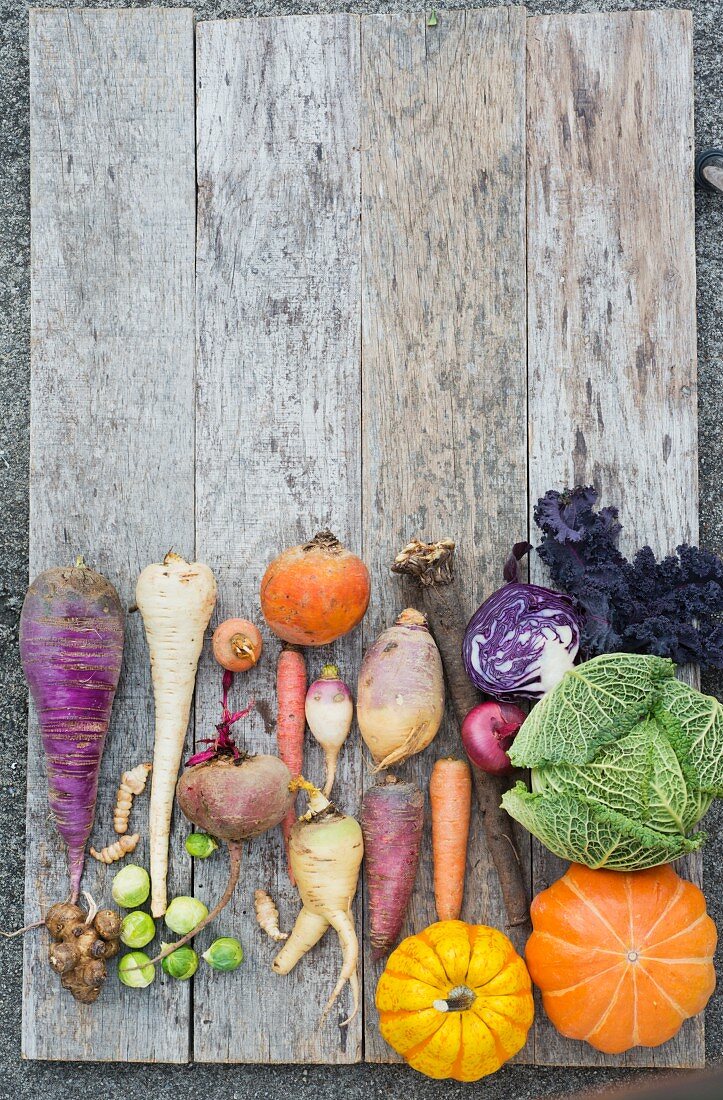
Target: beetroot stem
(235,848)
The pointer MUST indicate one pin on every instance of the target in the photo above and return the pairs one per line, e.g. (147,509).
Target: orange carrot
(450,796)
(291,698)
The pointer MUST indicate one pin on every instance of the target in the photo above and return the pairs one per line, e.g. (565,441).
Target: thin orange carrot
(291,724)
(450,796)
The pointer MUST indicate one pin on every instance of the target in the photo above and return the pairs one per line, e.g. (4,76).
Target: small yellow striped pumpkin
(455,1000)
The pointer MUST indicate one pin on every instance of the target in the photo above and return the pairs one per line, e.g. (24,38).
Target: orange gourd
(455,1000)
(622,958)
(315,593)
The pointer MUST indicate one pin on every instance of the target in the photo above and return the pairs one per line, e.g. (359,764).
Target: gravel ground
(27,1079)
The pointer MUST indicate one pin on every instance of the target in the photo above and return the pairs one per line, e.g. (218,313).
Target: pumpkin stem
(458,999)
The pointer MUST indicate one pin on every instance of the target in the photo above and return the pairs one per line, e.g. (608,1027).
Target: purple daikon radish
(71,645)
(392,818)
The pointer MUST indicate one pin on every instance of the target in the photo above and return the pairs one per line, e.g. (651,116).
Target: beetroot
(233,796)
(71,645)
(392,817)
(235,799)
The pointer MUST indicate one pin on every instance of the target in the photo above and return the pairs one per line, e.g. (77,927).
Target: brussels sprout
(183,914)
(224,954)
(137,929)
(182,964)
(131,886)
(135,970)
(200,845)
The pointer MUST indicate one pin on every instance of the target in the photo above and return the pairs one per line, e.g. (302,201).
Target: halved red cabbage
(521,641)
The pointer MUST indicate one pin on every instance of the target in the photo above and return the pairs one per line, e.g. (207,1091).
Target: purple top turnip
(71,646)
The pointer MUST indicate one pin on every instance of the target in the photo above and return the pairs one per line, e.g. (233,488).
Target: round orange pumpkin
(622,958)
(315,593)
(455,1000)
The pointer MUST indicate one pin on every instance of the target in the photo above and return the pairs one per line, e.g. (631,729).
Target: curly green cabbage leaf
(625,762)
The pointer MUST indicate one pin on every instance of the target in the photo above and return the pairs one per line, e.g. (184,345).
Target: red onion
(487,733)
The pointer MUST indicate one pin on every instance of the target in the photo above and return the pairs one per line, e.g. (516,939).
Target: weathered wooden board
(443,338)
(611,309)
(277,441)
(360,246)
(111,477)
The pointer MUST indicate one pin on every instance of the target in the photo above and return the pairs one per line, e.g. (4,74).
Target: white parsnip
(325,850)
(176,599)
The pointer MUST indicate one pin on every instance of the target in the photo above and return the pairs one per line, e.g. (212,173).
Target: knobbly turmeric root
(132,784)
(117,850)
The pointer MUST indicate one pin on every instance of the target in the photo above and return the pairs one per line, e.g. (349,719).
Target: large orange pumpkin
(315,593)
(455,1000)
(622,958)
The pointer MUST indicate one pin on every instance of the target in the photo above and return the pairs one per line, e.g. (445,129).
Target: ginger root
(82,944)
(267,916)
(117,850)
(132,783)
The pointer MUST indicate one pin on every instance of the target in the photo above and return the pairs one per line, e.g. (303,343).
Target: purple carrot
(392,817)
(71,645)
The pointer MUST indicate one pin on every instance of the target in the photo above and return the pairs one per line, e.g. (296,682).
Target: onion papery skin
(521,642)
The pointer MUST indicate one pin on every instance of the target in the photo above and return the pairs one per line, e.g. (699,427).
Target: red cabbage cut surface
(521,642)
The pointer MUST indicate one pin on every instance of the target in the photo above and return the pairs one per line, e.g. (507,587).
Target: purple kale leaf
(671,608)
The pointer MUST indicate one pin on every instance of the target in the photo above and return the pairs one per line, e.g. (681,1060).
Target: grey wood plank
(278,442)
(111,477)
(443,344)
(611,310)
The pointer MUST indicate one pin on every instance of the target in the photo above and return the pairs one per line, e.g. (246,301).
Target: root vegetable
(291,723)
(176,600)
(71,644)
(237,645)
(431,565)
(234,797)
(315,593)
(400,697)
(267,916)
(450,797)
(82,944)
(132,784)
(392,819)
(107,924)
(329,712)
(120,848)
(326,849)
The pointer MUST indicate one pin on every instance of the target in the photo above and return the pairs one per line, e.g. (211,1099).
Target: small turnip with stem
(329,713)
(325,849)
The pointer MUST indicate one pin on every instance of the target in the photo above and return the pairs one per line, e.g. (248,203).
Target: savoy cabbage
(625,761)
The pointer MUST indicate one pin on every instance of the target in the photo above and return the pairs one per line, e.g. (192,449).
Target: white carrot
(325,850)
(176,600)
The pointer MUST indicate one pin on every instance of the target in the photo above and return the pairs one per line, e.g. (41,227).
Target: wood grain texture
(443,344)
(278,443)
(611,310)
(111,477)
